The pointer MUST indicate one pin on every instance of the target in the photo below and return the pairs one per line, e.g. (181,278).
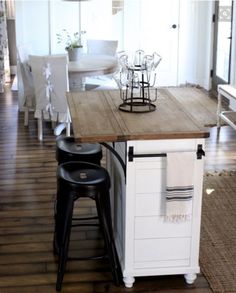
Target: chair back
(23,52)
(102,47)
(24,79)
(50,76)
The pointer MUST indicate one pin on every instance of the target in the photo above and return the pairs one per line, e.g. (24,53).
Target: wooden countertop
(96,118)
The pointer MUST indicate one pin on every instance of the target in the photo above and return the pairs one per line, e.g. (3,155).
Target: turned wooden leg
(129,281)
(26,116)
(40,129)
(190,278)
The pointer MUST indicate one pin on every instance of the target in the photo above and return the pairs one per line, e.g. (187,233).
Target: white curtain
(4,53)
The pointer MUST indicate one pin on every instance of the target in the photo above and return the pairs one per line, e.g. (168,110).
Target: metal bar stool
(67,149)
(76,180)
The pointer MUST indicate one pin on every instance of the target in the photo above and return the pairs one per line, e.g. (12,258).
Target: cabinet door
(155,241)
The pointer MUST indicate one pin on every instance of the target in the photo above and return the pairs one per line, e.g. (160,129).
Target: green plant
(71,41)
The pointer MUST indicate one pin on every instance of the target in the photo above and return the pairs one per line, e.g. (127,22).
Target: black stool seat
(69,150)
(83,178)
(75,180)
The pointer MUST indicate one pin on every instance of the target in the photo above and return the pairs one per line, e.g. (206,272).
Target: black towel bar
(200,152)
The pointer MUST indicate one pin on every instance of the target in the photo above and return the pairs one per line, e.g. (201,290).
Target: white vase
(75,53)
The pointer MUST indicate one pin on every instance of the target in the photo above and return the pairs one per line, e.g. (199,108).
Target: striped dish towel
(179,186)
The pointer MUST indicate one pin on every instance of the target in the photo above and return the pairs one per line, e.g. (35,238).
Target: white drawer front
(162,249)
(157,227)
(163,146)
(162,264)
(150,178)
(150,204)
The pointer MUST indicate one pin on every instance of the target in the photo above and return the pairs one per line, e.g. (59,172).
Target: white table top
(93,64)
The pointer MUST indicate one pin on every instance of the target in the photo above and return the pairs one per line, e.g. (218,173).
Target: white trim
(233,48)
(207,83)
(212,12)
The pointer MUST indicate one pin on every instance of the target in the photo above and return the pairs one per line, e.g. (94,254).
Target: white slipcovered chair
(50,76)
(26,96)
(101,47)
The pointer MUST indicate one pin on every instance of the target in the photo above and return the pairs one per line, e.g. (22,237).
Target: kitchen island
(147,244)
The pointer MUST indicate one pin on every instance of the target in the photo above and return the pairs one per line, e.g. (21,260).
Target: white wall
(195,43)
(187,42)
(195,35)
(38,21)
(60,13)
(204,43)
(32,25)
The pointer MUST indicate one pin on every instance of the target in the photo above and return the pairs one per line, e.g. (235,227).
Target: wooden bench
(229,116)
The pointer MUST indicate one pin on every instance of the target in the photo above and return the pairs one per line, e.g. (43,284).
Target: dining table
(89,65)
(138,147)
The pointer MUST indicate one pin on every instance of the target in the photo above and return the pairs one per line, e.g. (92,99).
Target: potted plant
(73,43)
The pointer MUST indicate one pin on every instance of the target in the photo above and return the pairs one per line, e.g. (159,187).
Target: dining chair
(101,47)
(50,77)
(25,86)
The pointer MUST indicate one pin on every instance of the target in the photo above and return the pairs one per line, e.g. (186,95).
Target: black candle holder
(136,96)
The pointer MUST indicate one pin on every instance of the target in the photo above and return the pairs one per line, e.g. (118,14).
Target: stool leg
(104,213)
(63,255)
(63,219)
(55,244)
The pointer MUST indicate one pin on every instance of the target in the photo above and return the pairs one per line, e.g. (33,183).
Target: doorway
(222,42)
(159,30)
(153,25)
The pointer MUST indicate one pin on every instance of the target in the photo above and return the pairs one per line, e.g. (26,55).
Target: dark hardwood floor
(27,192)
(221,149)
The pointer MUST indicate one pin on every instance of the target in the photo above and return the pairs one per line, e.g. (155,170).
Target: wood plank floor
(27,192)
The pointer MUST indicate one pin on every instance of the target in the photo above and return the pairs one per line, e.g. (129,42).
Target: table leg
(76,82)
(219,109)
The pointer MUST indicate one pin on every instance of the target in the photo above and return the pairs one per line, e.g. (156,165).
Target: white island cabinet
(147,244)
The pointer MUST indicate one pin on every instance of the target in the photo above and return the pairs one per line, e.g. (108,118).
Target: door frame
(215,79)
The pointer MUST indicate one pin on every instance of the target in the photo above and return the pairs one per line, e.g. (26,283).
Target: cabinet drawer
(166,249)
(157,227)
(151,204)
(162,264)
(150,177)
(163,146)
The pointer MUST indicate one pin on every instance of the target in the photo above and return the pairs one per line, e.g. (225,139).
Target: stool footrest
(85,224)
(85,219)
(88,258)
